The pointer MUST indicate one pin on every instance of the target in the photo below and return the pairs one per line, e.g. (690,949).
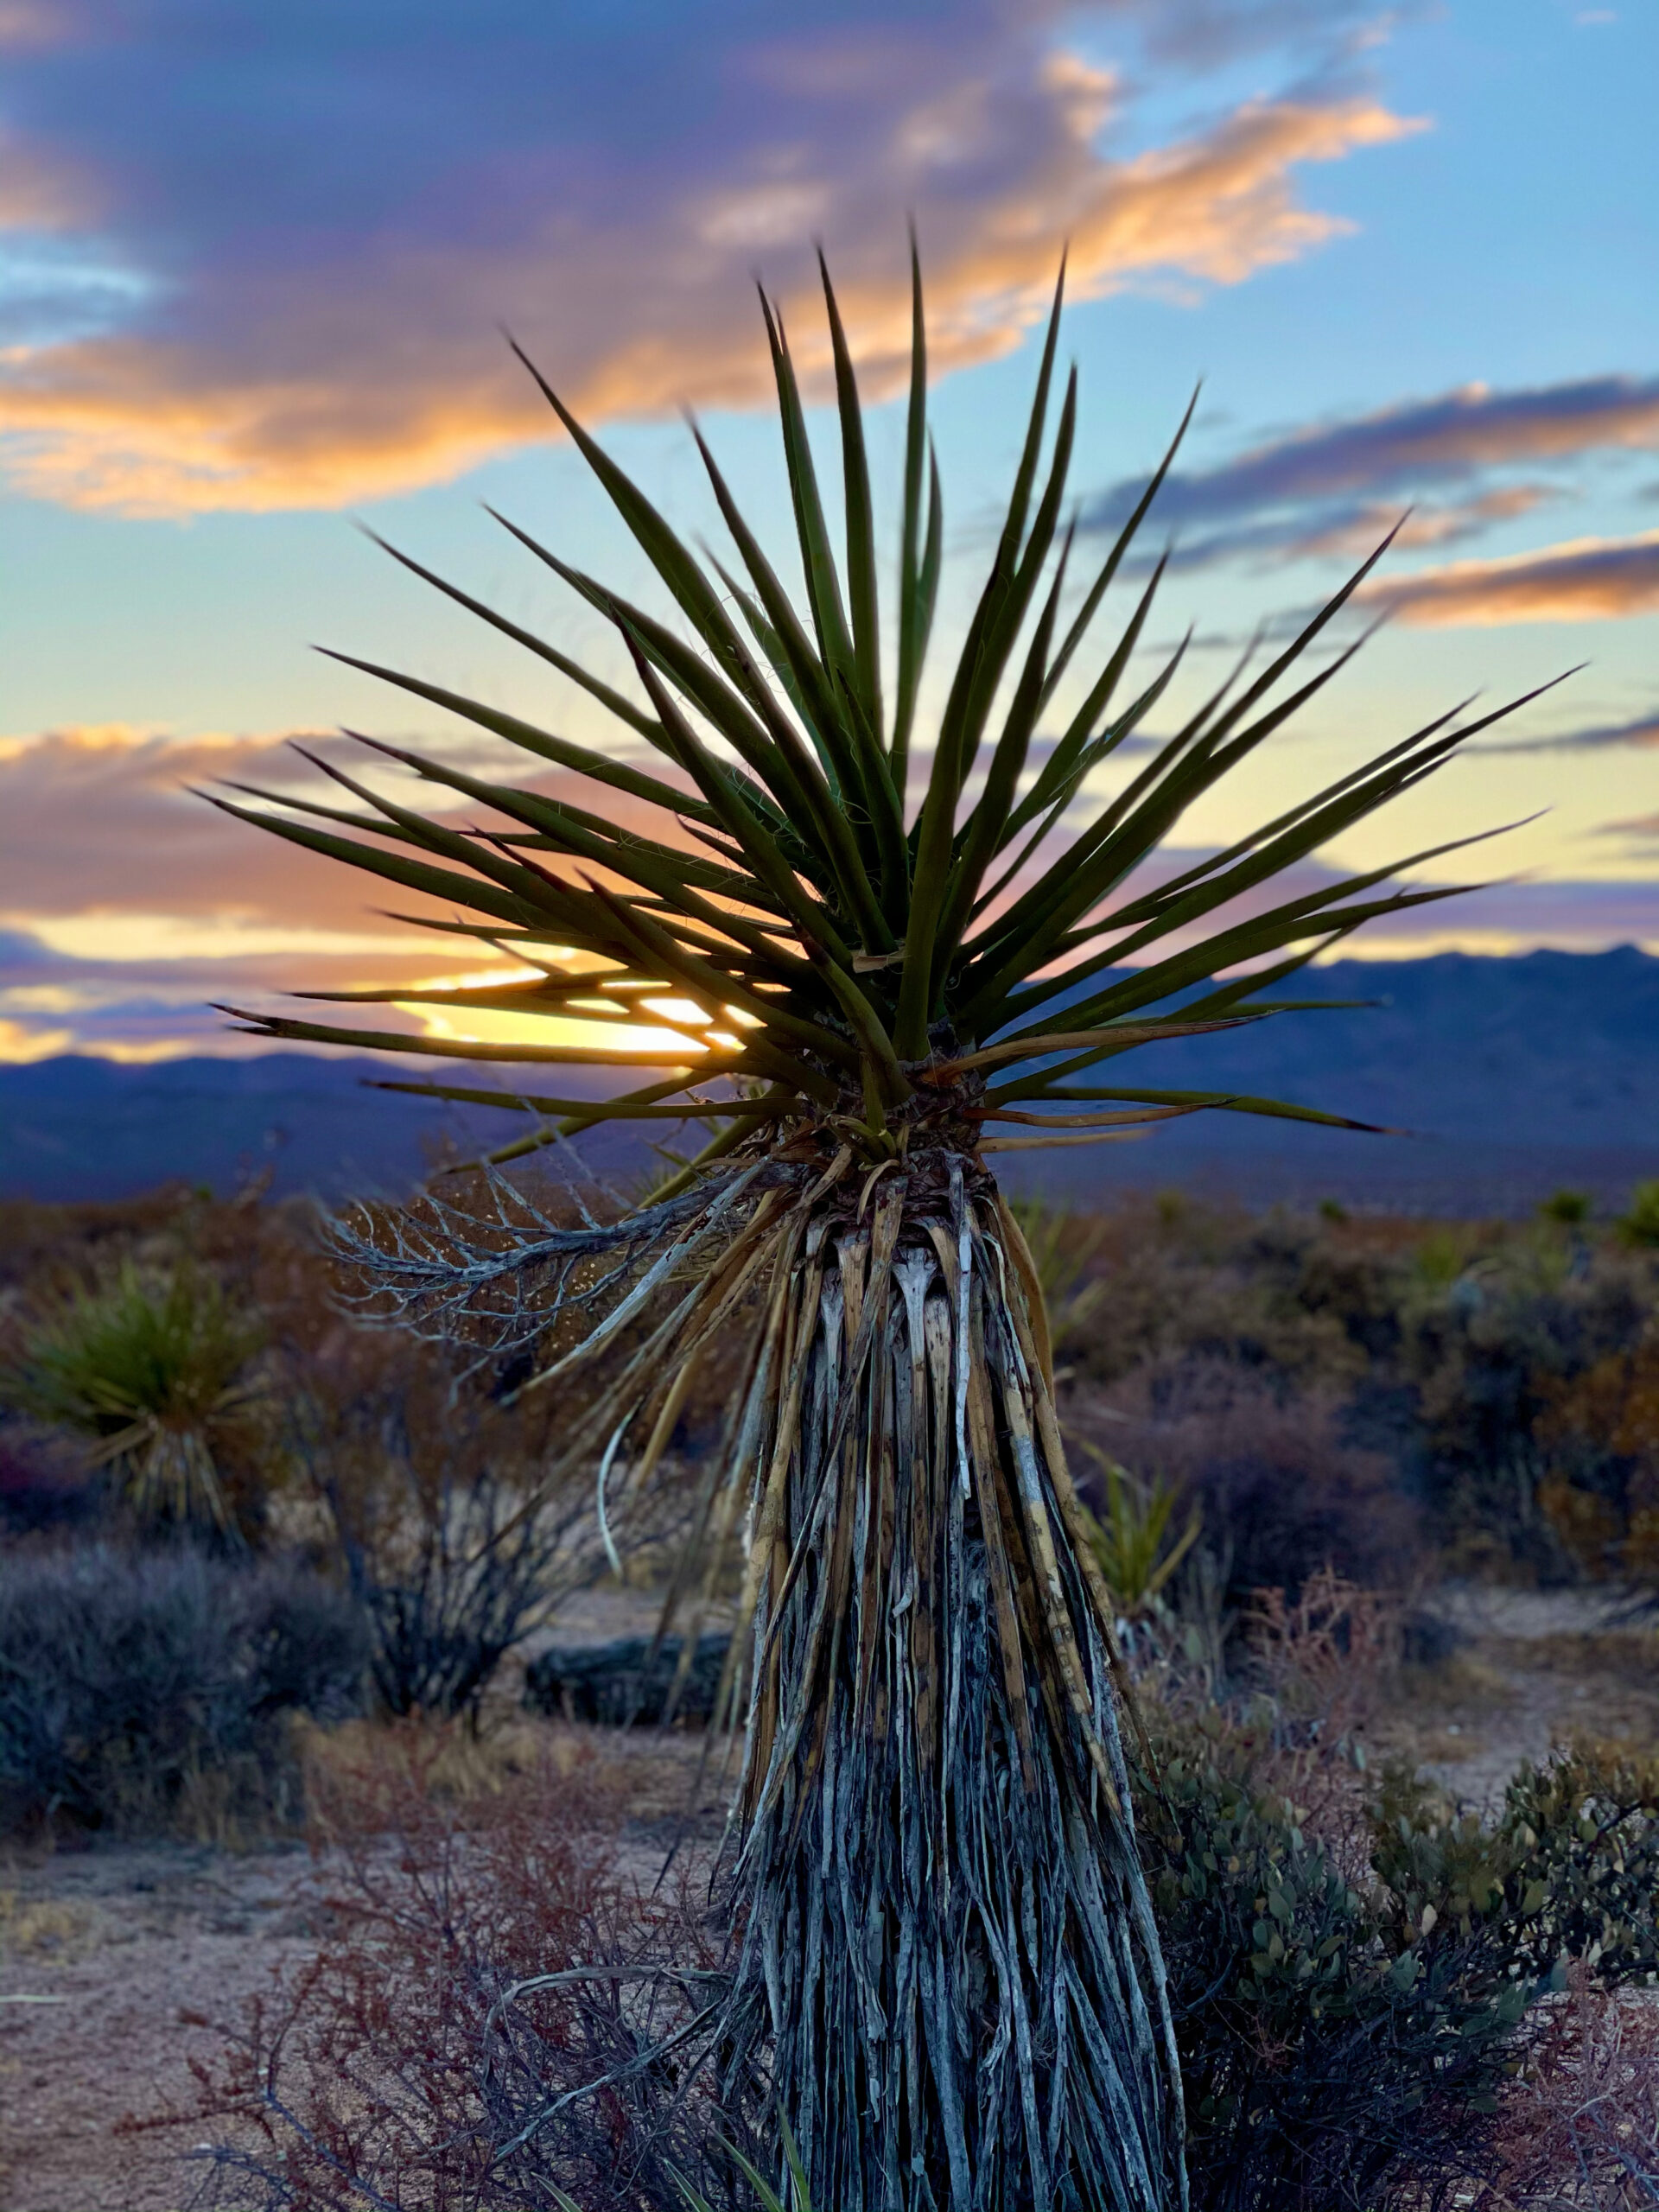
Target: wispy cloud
(108,821)
(1335,488)
(318,218)
(1585,580)
(146,995)
(101,820)
(1598,737)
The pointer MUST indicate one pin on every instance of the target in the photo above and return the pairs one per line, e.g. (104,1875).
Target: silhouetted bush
(140,1691)
(457,1528)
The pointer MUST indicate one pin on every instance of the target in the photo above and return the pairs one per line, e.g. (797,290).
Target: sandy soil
(1539,1668)
(104,1954)
(108,1954)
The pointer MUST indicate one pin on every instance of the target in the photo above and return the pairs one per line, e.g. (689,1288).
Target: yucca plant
(869,953)
(156,1374)
(1136,1545)
(1062,1248)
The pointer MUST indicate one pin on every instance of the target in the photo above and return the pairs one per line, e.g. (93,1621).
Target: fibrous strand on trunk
(943,1960)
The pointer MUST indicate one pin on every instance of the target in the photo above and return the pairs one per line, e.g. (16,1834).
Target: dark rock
(1428,1640)
(613,1685)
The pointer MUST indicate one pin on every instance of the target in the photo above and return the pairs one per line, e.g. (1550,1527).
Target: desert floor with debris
(117,1960)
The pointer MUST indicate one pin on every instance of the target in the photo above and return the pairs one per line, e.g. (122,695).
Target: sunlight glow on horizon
(1397,289)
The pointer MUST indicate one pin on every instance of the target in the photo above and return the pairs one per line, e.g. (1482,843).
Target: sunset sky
(255,263)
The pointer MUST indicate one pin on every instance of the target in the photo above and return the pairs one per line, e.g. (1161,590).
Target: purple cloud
(1599,737)
(274,244)
(1337,488)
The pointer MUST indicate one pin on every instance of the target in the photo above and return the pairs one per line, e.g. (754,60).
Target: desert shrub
(1640,1226)
(1183,1281)
(450,1588)
(39,1239)
(1345,2032)
(1280,1490)
(485,1962)
(1601,1433)
(209,1367)
(1136,1541)
(1315,2050)
(1568,1869)
(1441,1348)
(458,1530)
(1326,1657)
(155,1371)
(1488,1359)
(142,1690)
(1579,2131)
(1567,1209)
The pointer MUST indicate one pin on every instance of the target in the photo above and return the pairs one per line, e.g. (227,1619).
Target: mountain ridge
(1505,1078)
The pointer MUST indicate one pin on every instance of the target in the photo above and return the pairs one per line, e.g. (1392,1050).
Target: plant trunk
(947,1943)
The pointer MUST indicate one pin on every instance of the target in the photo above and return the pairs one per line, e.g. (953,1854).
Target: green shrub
(1339,2022)
(1640,1226)
(1569,1869)
(1571,1209)
(1136,1547)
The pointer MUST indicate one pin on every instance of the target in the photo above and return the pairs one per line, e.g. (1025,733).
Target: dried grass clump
(1327,1655)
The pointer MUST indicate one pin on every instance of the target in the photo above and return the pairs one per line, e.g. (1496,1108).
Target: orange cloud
(308,352)
(107,855)
(1585,579)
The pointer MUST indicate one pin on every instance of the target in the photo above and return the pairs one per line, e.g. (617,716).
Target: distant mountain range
(1512,1077)
(1507,1078)
(76,1127)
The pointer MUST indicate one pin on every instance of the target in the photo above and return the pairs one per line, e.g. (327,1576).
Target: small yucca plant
(1136,1545)
(863,950)
(156,1374)
(1062,1248)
